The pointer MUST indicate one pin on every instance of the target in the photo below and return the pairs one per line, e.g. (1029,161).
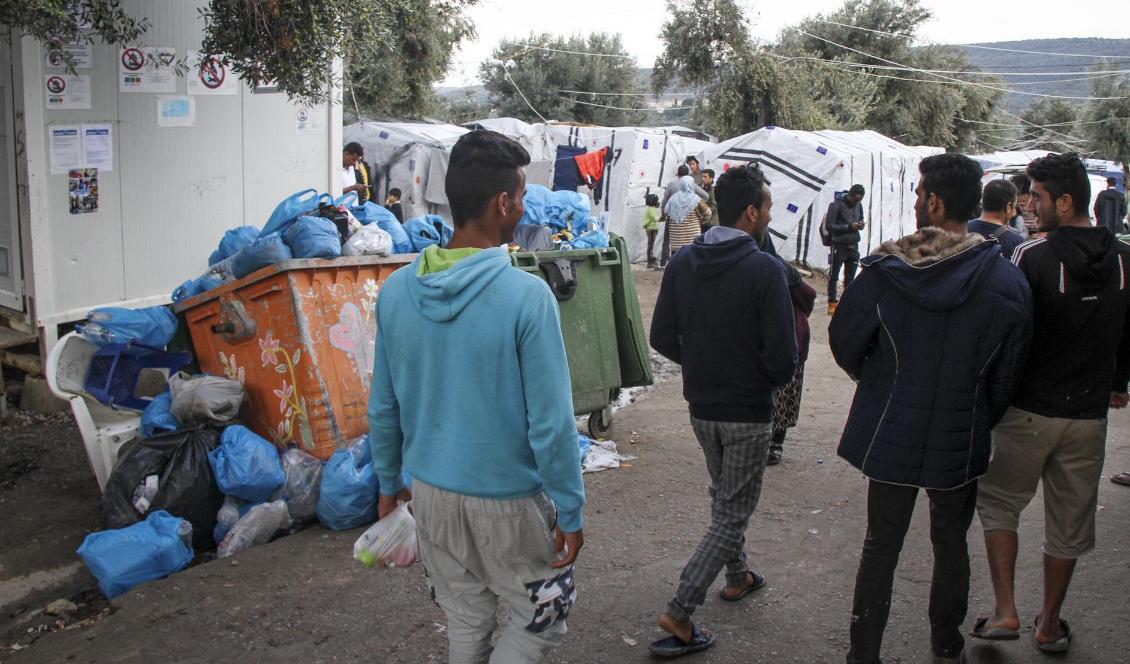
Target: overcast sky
(639,22)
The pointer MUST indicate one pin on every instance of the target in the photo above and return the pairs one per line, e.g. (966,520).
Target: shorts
(1068,456)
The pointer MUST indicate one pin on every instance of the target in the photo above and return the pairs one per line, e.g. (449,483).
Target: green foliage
(296,42)
(1063,137)
(560,83)
(1109,128)
(398,80)
(56,21)
(700,37)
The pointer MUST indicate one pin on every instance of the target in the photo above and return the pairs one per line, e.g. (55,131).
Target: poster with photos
(82,186)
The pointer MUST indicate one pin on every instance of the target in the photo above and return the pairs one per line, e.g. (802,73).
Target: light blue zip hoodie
(471,390)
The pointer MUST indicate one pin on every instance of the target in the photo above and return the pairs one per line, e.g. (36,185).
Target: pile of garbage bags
(565,216)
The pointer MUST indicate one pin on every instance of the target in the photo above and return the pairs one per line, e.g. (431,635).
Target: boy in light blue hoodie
(471,394)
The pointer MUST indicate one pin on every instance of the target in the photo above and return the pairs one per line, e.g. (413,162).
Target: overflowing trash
(302,486)
(258,526)
(390,542)
(153,327)
(428,230)
(349,491)
(204,399)
(246,465)
(123,558)
(598,455)
(158,417)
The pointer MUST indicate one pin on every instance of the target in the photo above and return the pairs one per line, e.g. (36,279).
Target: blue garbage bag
(127,557)
(426,230)
(246,465)
(594,239)
(157,418)
(234,240)
(196,286)
(263,252)
(313,237)
(371,213)
(291,208)
(106,326)
(349,492)
(557,209)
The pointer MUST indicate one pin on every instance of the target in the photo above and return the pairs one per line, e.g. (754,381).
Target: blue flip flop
(673,646)
(758,584)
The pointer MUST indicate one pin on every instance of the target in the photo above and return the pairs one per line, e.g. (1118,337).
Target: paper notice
(147,69)
(98,146)
(65,148)
(81,53)
(67,92)
(210,77)
(177,111)
(307,121)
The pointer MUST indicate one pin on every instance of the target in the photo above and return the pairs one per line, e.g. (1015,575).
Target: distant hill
(1071,67)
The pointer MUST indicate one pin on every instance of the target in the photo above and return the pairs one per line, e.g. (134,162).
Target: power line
(964,72)
(522,94)
(530,47)
(628,94)
(625,108)
(956,80)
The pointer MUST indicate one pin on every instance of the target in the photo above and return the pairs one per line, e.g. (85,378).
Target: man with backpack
(843,223)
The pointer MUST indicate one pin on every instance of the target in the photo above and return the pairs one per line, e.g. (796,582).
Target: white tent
(808,168)
(411,157)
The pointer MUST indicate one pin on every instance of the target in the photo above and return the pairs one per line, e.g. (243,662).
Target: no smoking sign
(133,59)
(56,85)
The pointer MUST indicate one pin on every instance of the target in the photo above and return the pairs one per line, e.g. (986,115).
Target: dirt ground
(303,599)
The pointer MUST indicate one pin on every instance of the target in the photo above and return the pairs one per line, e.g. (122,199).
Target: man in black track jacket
(1055,431)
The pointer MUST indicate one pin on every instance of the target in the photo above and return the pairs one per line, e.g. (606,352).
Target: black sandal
(758,584)
(673,646)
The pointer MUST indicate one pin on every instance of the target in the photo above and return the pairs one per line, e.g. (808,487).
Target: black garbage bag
(169,472)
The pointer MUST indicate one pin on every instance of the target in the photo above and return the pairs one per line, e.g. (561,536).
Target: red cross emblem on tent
(212,73)
(133,59)
(56,85)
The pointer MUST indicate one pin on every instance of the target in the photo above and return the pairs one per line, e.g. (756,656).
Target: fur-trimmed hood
(935,269)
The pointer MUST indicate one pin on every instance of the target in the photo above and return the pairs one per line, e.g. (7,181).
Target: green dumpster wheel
(600,421)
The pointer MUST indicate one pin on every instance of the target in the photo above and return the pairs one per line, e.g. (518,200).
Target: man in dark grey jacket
(1110,208)
(934,331)
(844,221)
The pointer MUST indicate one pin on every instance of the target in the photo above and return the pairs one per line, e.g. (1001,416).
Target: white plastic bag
(390,542)
(256,527)
(369,240)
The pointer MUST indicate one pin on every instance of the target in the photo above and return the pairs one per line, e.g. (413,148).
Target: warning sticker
(147,69)
(209,76)
(67,92)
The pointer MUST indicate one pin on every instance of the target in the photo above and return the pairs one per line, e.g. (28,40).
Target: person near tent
(392,204)
(786,400)
(1110,208)
(1025,220)
(484,423)
(934,330)
(723,314)
(998,208)
(673,187)
(651,225)
(695,170)
(708,186)
(844,221)
(1055,431)
(685,213)
(356,175)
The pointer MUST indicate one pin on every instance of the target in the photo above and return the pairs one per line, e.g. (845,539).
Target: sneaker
(775,455)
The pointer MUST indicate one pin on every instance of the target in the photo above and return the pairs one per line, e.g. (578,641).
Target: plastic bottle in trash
(145,492)
(229,512)
(184,531)
(256,527)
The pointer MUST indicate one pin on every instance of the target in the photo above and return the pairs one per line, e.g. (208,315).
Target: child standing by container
(651,225)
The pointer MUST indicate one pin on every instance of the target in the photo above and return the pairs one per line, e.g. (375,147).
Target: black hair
(997,195)
(651,200)
(708,171)
(857,190)
(691,158)
(394,192)
(683,170)
(1061,175)
(1111,182)
(482,164)
(1022,182)
(354,148)
(954,178)
(737,189)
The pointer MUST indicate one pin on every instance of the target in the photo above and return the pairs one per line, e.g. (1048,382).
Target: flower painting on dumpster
(291,405)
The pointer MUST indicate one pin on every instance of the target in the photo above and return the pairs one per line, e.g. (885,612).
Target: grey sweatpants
(735,457)
(476,551)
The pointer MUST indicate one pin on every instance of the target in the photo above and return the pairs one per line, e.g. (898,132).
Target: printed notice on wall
(147,69)
(307,121)
(210,76)
(176,111)
(67,92)
(98,146)
(82,186)
(81,53)
(65,148)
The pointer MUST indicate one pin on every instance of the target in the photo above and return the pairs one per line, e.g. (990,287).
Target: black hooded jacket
(724,313)
(1080,279)
(935,330)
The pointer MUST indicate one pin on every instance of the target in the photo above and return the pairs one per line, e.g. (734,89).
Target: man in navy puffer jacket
(935,331)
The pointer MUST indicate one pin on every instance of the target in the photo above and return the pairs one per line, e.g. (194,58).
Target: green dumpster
(600,323)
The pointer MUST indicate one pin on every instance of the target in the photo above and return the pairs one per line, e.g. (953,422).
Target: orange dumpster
(299,335)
